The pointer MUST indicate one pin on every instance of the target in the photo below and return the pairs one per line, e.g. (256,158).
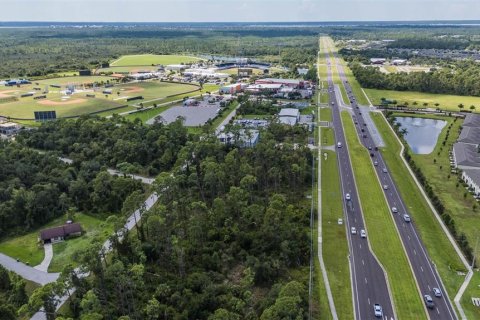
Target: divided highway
(424,270)
(369,284)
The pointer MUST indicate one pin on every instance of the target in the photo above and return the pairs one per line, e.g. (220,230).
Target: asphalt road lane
(368,278)
(424,270)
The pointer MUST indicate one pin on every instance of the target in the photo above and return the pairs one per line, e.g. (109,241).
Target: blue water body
(422,134)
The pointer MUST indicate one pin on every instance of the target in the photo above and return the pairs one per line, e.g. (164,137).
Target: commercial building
(378,60)
(289,116)
(264,88)
(9,128)
(399,62)
(176,67)
(232,88)
(294,83)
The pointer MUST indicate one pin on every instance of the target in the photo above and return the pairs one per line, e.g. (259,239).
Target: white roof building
(289,116)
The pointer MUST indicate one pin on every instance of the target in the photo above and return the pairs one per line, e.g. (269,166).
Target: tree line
(37,52)
(116,143)
(36,188)
(225,241)
(460,79)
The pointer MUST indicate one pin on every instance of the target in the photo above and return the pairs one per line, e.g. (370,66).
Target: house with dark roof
(472,120)
(470,135)
(466,156)
(57,234)
(472,179)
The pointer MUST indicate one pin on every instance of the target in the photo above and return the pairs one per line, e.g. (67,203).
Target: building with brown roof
(57,234)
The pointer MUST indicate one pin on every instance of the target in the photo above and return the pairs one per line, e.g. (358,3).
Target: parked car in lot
(428,301)
(407,218)
(437,292)
(378,310)
(363,234)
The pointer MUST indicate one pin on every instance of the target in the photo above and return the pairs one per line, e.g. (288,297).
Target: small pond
(422,134)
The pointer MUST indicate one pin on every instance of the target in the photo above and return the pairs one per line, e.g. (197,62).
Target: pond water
(422,134)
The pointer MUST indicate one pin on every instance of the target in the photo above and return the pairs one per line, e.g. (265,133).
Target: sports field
(84,100)
(149,59)
(445,101)
(129,69)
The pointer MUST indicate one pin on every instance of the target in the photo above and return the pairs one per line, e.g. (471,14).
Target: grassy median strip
(384,238)
(335,246)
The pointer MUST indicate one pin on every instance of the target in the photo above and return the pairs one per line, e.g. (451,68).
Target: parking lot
(194,116)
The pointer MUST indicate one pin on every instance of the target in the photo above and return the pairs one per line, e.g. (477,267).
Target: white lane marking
(421,268)
(414,252)
(363,262)
(366,280)
(408,237)
(360,246)
(368,300)
(429,288)
(438,311)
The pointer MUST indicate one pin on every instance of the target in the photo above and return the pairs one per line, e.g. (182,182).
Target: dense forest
(117,143)
(461,79)
(12,294)
(35,188)
(224,241)
(40,51)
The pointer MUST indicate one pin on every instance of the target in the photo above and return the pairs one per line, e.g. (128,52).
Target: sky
(237,10)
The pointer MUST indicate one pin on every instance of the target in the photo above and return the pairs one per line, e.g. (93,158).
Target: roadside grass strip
(335,246)
(383,235)
(445,101)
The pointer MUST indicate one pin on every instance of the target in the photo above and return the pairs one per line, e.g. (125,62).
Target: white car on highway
(353,230)
(347,196)
(363,234)
(407,218)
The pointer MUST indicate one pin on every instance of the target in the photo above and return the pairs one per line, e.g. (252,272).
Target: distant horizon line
(283,22)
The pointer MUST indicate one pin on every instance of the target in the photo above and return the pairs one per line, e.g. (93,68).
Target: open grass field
(150,90)
(24,108)
(335,246)
(129,69)
(27,249)
(438,246)
(149,59)
(447,102)
(384,238)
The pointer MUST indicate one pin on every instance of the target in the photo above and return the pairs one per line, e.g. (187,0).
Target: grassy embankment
(384,238)
(452,196)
